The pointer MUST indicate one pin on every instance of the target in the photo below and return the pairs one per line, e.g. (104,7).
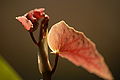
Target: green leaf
(6,71)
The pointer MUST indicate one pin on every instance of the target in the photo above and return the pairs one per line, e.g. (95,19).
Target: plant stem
(33,39)
(55,65)
(43,59)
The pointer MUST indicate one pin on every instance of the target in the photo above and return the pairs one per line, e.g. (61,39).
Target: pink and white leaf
(77,48)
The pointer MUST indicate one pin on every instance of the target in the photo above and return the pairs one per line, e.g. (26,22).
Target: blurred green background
(7,72)
(98,19)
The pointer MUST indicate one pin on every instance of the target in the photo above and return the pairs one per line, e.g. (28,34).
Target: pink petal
(30,19)
(78,49)
(39,13)
(25,22)
(35,14)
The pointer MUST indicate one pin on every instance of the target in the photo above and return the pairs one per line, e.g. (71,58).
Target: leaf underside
(78,49)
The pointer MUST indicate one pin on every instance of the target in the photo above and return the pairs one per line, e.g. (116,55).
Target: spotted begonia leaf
(77,48)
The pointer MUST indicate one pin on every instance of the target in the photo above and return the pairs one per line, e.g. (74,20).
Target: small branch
(43,28)
(55,65)
(33,38)
(43,58)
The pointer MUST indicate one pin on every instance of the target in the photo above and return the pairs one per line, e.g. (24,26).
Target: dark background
(98,19)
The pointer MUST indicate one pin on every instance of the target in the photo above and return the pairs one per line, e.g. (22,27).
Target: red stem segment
(33,38)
